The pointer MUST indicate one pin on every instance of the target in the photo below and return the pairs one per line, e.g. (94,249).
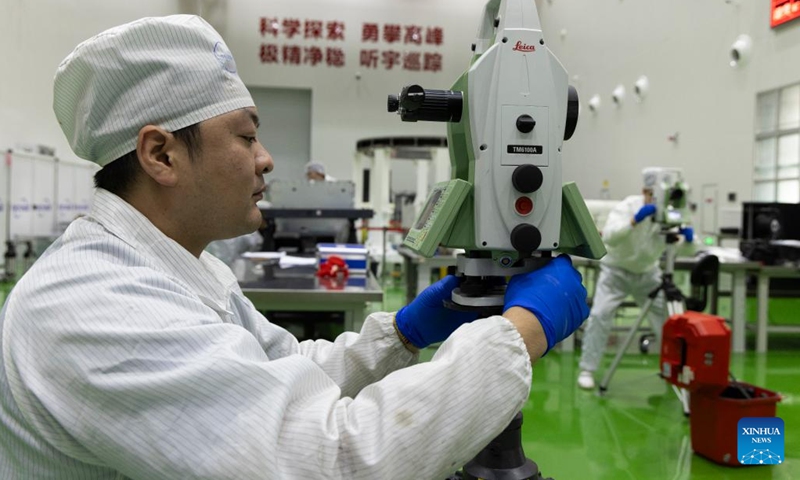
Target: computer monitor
(770,232)
(770,221)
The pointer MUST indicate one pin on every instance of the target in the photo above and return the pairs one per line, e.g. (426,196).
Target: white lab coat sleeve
(618,225)
(167,390)
(353,360)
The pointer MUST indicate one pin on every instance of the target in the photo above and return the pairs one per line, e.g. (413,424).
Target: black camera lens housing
(416,103)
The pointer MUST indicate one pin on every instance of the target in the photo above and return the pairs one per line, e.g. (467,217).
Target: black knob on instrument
(572,112)
(393,103)
(527,178)
(525,123)
(525,239)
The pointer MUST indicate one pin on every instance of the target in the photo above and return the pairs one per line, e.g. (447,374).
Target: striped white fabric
(170,71)
(126,357)
(634,249)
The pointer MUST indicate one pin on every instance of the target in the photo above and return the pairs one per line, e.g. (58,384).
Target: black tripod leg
(503,458)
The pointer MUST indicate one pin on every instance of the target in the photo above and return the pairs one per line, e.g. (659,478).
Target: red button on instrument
(524,205)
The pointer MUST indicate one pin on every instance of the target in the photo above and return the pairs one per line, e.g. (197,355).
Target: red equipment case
(715,417)
(695,351)
(695,355)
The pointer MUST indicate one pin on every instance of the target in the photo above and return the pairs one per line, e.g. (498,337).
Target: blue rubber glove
(554,294)
(644,212)
(426,320)
(688,234)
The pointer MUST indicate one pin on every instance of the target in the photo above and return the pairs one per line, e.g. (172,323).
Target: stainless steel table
(418,270)
(738,271)
(298,289)
(762,326)
(418,278)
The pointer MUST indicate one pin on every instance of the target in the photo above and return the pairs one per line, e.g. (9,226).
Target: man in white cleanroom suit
(315,172)
(630,267)
(130,352)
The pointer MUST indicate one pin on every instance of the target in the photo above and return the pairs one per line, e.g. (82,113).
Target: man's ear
(159,154)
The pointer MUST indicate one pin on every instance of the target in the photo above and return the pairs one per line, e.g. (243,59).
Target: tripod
(675,305)
(503,458)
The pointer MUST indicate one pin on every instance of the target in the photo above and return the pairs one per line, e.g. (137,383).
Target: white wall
(345,109)
(683,47)
(39,34)
(36,35)
(285,116)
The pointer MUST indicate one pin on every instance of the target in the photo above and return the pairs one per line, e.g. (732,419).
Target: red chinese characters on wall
(301,30)
(334,57)
(400,39)
(313,56)
(370,32)
(313,29)
(269,26)
(290,54)
(312,42)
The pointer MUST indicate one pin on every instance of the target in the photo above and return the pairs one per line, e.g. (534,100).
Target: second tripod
(674,301)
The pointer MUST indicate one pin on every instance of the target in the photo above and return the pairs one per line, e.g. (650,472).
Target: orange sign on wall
(783,11)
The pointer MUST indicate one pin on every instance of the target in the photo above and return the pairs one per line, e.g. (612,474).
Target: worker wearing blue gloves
(647,210)
(553,294)
(426,320)
(631,267)
(131,352)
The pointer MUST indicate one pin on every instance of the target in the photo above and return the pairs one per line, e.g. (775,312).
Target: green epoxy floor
(637,430)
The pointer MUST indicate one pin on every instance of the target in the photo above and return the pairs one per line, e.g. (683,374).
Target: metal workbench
(738,271)
(298,289)
(417,271)
(765,273)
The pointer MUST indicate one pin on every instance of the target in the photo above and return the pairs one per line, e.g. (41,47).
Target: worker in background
(129,352)
(631,267)
(315,172)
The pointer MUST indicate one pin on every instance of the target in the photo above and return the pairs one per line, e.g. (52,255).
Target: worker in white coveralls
(129,352)
(631,267)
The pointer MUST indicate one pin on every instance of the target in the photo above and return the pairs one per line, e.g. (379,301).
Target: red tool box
(695,355)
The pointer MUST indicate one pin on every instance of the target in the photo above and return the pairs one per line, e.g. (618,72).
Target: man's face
(648,195)
(315,176)
(226,177)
